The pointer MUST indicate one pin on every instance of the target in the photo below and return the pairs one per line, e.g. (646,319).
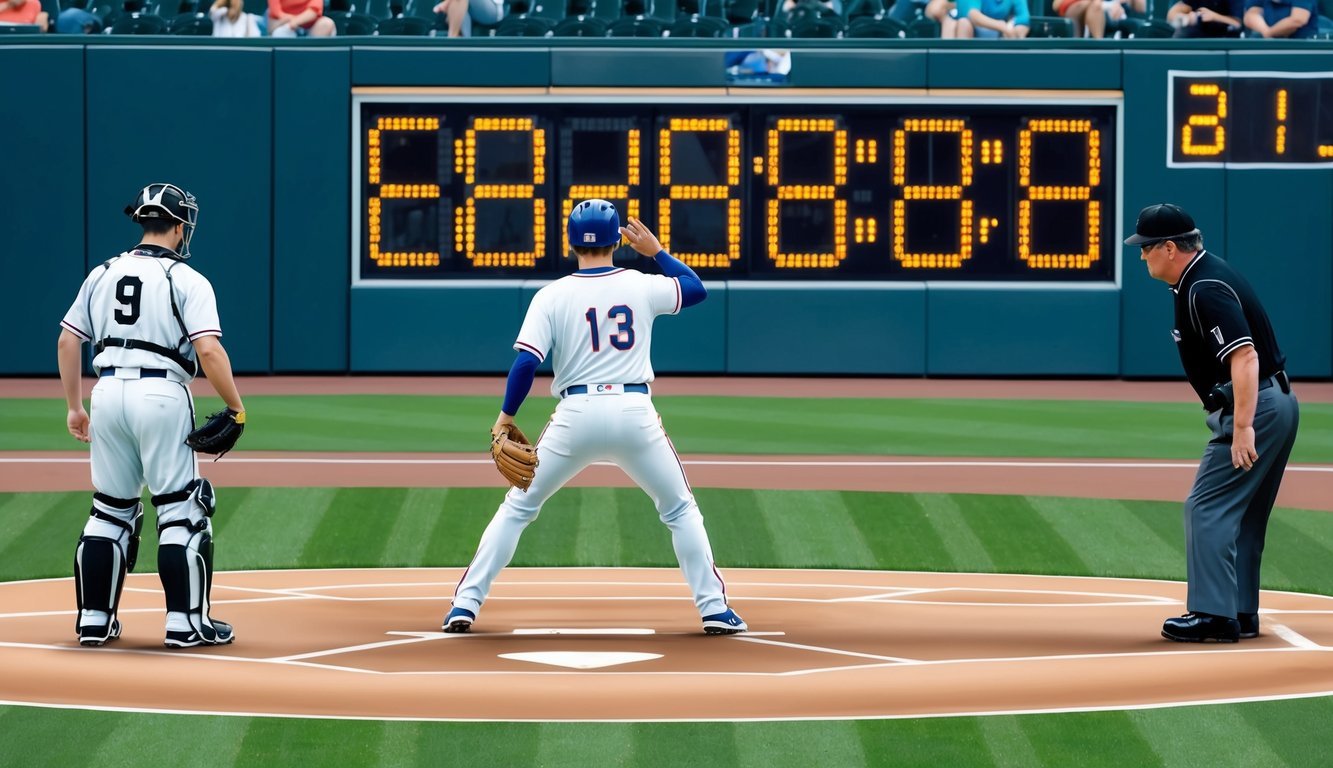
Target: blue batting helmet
(594,224)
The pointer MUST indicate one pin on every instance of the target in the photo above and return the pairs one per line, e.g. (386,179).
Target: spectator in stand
(989,19)
(231,20)
(298,18)
(1295,19)
(74,19)
(461,14)
(24,12)
(1090,16)
(1206,18)
(939,11)
(906,11)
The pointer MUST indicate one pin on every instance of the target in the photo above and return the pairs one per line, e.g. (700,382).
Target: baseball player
(1231,357)
(596,324)
(152,321)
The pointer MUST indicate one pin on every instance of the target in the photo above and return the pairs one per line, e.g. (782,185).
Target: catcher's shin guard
(185,563)
(106,551)
(187,579)
(99,576)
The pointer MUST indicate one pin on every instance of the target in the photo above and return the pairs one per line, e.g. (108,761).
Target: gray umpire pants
(1226,514)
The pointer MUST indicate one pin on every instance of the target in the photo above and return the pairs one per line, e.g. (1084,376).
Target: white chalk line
(1296,639)
(887,463)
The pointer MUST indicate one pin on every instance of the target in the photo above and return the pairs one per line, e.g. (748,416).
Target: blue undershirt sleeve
(692,289)
(521,375)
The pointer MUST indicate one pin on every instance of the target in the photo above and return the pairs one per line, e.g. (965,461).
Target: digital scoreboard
(1006,190)
(1250,119)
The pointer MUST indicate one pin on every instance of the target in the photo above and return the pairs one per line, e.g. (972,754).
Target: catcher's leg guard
(106,551)
(185,565)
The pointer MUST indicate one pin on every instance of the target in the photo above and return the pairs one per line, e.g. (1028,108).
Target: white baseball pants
(624,429)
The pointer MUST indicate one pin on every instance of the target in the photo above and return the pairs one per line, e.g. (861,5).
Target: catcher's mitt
(514,456)
(219,434)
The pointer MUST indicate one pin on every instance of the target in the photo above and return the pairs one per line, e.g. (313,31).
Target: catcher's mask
(167,201)
(594,224)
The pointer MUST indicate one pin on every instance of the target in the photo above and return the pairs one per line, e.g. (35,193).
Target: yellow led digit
(465,223)
(1210,121)
(375,205)
(911,192)
(865,153)
(1038,193)
(1280,139)
(729,192)
(629,191)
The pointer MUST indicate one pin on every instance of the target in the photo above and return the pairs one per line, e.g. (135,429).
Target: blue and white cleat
(725,623)
(458,620)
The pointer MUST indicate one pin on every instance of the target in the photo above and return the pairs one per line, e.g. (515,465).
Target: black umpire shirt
(1217,312)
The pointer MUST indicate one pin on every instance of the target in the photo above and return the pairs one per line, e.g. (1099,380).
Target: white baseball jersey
(130,298)
(598,325)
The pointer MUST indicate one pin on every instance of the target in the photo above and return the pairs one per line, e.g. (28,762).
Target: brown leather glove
(514,455)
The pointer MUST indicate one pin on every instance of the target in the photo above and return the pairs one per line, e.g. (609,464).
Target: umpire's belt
(144,373)
(604,389)
(1222,397)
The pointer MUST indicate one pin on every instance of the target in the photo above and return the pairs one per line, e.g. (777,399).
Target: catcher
(153,323)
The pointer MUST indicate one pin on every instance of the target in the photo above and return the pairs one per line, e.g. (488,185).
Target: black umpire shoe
(100,634)
(1196,627)
(1249,625)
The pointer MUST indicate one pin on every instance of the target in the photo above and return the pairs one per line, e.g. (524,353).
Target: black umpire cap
(1163,221)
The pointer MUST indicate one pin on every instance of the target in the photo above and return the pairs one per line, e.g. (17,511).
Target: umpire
(1232,360)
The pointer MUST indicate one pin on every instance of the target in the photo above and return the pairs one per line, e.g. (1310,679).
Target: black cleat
(223,635)
(100,634)
(1201,628)
(1249,625)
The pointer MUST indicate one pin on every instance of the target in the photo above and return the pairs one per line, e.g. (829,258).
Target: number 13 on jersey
(621,327)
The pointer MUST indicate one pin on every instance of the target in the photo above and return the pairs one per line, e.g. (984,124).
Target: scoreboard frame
(819,100)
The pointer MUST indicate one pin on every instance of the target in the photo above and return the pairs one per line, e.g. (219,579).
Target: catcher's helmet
(167,201)
(594,224)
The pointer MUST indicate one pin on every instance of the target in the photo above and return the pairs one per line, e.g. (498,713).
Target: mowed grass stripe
(564,745)
(194,742)
(1298,741)
(964,550)
(53,519)
(1061,740)
(928,743)
(1216,736)
(354,526)
(644,540)
(478,744)
(1297,549)
(597,527)
(284,741)
(33,734)
(400,747)
(827,742)
(813,529)
(732,520)
(413,526)
(896,530)
(1007,743)
(1108,537)
(270,528)
(686,744)
(922,427)
(1007,526)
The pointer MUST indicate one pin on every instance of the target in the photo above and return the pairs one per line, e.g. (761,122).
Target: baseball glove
(219,434)
(514,455)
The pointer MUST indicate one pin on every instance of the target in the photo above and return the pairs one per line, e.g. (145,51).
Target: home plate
(581,659)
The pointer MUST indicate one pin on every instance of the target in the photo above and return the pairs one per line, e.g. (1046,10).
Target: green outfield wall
(262,135)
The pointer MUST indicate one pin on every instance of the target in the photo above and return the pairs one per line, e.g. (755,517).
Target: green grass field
(294,528)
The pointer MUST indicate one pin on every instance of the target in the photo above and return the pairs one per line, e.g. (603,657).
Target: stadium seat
(817,26)
(524,25)
(191,23)
(699,26)
(871,26)
(580,26)
(405,26)
(639,25)
(923,28)
(351,23)
(783,24)
(741,12)
(20,29)
(1150,28)
(1051,26)
(139,24)
(859,9)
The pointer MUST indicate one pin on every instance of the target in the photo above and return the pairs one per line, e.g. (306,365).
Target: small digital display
(1258,120)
